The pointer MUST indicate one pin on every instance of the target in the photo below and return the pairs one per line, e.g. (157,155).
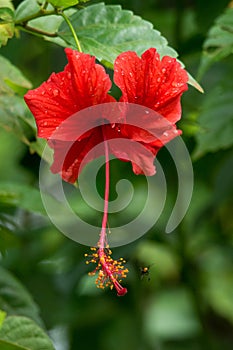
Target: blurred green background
(187,301)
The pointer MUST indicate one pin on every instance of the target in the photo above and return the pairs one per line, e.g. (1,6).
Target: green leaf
(105,31)
(9,73)
(219,42)
(218,280)
(6,24)
(63,3)
(22,196)
(15,299)
(5,345)
(2,317)
(23,333)
(215,121)
(171,315)
(7,238)
(13,110)
(26,9)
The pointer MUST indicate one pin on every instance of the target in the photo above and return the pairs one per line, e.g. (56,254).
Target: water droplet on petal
(147,112)
(113,125)
(55,92)
(69,75)
(43,92)
(158,80)
(163,70)
(165,134)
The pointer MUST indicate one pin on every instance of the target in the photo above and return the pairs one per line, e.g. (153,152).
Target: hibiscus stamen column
(109,270)
(102,241)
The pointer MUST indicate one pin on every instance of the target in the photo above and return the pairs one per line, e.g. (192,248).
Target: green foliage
(13,112)
(11,74)
(216,120)
(219,41)
(106,31)
(216,116)
(2,317)
(172,320)
(20,333)
(14,298)
(113,31)
(26,9)
(207,11)
(63,3)
(22,196)
(190,282)
(6,21)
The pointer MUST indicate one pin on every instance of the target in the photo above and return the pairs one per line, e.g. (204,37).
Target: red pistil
(109,270)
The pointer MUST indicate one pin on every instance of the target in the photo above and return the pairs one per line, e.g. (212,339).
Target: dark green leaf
(15,299)
(106,31)
(7,238)
(24,333)
(219,42)
(216,121)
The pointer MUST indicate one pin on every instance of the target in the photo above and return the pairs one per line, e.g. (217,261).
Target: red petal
(134,134)
(139,154)
(82,84)
(71,157)
(151,82)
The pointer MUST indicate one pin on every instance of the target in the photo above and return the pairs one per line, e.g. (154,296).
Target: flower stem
(102,240)
(72,30)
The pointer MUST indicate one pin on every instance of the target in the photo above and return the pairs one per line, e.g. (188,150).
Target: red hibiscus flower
(145,81)
(75,113)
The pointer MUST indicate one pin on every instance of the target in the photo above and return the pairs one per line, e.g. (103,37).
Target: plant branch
(35,31)
(38,14)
